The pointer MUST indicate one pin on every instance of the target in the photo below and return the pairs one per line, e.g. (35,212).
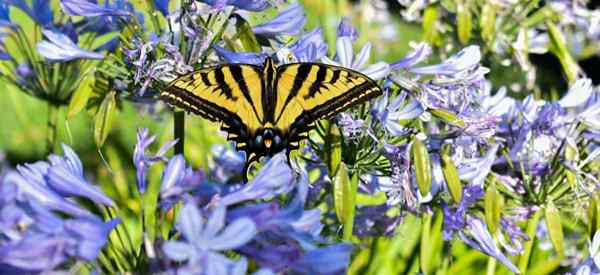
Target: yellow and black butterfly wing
(231,94)
(307,92)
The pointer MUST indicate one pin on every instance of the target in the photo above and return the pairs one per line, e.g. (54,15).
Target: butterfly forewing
(307,92)
(231,94)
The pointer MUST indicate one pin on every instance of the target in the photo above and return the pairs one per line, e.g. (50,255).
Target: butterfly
(267,109)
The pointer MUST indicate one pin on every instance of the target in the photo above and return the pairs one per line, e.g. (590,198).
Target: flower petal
(236,234)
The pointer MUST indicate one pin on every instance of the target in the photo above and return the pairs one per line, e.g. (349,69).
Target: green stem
(531,227)
(179,130)
(51,126)
(491,266)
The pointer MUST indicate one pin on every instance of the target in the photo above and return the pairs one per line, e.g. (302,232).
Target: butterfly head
(268,141)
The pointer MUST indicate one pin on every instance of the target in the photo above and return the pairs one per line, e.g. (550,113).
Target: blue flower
(205,238)
(333,259)
(39,11)
(310,47)
(577,94)
(478,236)
(392,114)
(289,21)
(86,8)
(251,5)
(61,48)
(345,28)
(176,181)
(475,170)
(419,53)
(463,60)
(49,183)
(32,237)
(65,176)
(273,179)
(227,163)
(142,161)
(240,57)
(346,58)
(162,6)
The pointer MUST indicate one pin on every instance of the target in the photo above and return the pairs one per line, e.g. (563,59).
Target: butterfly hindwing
(231,94)
(307,92)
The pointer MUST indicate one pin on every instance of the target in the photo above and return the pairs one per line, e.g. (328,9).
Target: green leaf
(451,176)
(487,21)
(464,22)
(493,207)
(430,25)
(104,118)
(420,157)
(80,97)
(447,116)
(344,199)
(558,45)
(245,35)
(553,221)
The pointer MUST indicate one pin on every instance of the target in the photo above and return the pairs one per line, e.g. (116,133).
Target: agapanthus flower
(34,237)
(592,264)
(275,178)
(227,163)
(205,238)
(310,47)
(478,236)
(39,10)
(345,28)
(142,161)
(61,48)
(418,54)
(177,180)
(346,58)
(86,8)
(392,114)
(288,21)
(49,183)
(251,5)
(240,57)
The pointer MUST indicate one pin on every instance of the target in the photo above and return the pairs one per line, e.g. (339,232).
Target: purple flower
(273,179)
(392,114)
(240,57)
(289,21)
(577,94)
(351,128)
(33,238)
(461,61)
(205,238)
(49,183)
(346,58)
(345,28)
(61,48)
(142,161)
(478,236)
(65,176)
(477,169)
(227,163)
(86,8)
(310,47)
(419,53)
(251,5)
(176,181)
